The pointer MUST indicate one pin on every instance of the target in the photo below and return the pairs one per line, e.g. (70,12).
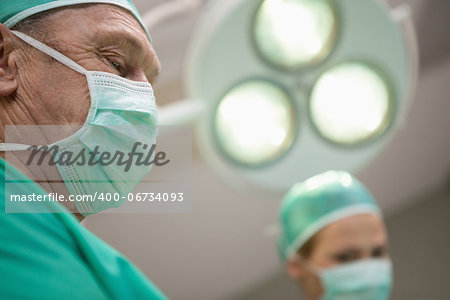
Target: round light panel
(351,103)
(294,33)
(254,123)
(224,52)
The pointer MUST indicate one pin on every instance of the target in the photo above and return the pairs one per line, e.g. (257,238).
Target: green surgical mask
(122,113)
(368,279)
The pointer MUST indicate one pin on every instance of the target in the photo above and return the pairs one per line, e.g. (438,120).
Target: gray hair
(34,26)
(39,26)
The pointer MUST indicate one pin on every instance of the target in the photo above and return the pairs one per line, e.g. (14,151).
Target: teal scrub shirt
(51,256)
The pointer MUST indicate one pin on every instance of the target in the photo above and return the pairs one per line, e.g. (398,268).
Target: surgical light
(351,103)
(254,122)
(280,90)
(293,33)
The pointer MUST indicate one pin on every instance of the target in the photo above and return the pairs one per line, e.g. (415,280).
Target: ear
(295,269)
(8,82)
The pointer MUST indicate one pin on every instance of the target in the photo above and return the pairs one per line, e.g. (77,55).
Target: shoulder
(37,249)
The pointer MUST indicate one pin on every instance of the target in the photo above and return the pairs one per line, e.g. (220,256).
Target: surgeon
(88,63)
(333,239)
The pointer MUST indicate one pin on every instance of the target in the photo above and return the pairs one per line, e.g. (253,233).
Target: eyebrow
(136,51)
(356,249)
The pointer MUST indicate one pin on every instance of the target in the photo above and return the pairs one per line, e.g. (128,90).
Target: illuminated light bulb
(254,122)
(351,103)
(294,33)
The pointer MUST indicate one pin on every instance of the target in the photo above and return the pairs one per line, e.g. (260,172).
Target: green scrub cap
(14,11)
(319,201)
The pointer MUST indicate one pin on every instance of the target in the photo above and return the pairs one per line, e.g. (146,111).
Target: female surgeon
(333,239)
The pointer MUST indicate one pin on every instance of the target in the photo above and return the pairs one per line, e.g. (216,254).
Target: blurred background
(222,250)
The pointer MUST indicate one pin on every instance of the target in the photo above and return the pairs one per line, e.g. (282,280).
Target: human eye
(345,257)
(380,251)
(119,67)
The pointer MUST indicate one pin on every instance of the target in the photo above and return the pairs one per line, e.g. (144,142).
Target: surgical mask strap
(50,52)
(13,147)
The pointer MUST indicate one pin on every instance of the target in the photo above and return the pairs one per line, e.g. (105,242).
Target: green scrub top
(51,256)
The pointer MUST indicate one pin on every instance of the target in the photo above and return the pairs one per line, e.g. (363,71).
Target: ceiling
(222,247)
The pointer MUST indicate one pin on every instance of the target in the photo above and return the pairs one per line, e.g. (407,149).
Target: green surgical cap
(319,201)
(14,11)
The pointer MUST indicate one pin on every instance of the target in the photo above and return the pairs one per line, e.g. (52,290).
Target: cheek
(312,285)
(66,96)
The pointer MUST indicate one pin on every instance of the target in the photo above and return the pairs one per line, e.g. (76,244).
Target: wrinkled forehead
(101,28)
(13,12)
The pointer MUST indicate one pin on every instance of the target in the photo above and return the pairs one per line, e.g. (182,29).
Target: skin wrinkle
(26,61)
(128,28)
(19,111)
(32,94)
(50,93)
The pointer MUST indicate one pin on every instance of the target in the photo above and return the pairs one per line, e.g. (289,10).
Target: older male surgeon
(82,63)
